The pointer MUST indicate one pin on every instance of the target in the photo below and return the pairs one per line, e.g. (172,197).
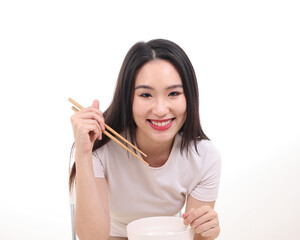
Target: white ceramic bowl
(159,228)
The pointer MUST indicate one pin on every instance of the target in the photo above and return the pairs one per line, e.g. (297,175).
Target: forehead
(158,71)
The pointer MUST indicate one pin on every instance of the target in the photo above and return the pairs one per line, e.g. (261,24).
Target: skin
(202,218)
(91,218)
(158,96)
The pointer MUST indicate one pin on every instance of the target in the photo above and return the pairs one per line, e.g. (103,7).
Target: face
(159,103)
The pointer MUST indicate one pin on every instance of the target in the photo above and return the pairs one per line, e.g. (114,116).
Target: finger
(212,233)
(98,131)
(93,135)
(211,215)
(96,115)
(87,126)
(92,115)
(204,226)
(102,123)
(193,214)
(96,104)
(91,112)
(93,108)
(90,109)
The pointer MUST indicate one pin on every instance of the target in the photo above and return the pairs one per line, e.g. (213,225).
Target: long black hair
(119,114)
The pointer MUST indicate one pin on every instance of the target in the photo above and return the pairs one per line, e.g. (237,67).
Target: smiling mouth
(161,124)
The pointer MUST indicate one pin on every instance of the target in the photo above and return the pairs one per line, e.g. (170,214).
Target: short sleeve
(207,188)
(97,166)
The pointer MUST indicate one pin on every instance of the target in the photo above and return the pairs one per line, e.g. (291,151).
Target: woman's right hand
(88,125)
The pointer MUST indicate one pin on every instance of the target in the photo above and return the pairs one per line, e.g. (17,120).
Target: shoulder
(204,151)
(101,152)
(111,153)
(204,146)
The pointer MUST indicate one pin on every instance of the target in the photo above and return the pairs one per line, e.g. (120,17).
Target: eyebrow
(151,88)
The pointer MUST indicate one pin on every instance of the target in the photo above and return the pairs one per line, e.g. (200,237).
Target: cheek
(137,110)
(181,108)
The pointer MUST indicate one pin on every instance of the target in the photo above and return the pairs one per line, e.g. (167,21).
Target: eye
(145,95)
(173,94)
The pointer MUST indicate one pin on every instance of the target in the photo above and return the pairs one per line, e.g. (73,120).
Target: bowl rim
(157,235)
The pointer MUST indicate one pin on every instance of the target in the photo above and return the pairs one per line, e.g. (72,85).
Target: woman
(156,106)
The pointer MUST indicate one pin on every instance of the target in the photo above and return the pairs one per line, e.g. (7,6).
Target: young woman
(155,106)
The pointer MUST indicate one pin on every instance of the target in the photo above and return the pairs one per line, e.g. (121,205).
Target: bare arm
(91,209)
(202,218)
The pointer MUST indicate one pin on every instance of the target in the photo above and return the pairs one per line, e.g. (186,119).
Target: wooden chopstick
(110,129)
(114,132)
(75,109)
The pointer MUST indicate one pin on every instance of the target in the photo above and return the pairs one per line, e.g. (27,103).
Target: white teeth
(161,123)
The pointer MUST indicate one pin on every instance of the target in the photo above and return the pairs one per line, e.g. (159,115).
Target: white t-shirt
(136,190)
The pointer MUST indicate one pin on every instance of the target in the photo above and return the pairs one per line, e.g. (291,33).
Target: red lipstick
(161,125)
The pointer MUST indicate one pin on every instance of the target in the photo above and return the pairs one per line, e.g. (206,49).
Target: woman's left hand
(204,221)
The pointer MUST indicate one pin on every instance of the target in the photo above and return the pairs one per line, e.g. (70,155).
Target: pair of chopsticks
(111,136)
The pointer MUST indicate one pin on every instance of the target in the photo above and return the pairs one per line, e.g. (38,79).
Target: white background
(247,58)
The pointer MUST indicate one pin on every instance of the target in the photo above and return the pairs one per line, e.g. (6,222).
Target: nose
(161,107)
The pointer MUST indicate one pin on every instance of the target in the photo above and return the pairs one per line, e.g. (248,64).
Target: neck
(157,152)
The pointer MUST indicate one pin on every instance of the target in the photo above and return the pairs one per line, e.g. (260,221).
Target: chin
(163,137)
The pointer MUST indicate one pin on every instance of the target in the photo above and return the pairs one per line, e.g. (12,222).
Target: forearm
(91,210)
